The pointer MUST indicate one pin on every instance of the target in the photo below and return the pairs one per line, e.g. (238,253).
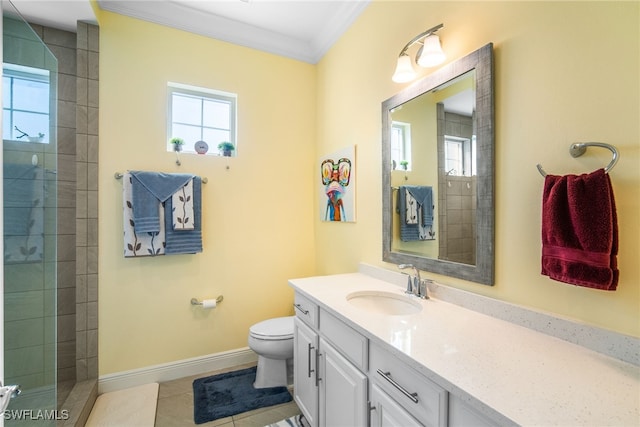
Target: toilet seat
(277,329)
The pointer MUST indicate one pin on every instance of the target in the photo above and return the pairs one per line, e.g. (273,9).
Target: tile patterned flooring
(175,406)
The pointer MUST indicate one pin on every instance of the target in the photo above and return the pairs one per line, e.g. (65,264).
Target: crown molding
(179,16)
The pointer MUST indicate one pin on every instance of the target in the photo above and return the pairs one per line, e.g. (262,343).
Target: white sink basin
(384,302)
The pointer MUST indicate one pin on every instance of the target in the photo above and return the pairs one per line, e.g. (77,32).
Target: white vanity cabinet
(343,390)
(462,415)
(343,379)
(305,364)
(330,387)
(386,412)
(421,399)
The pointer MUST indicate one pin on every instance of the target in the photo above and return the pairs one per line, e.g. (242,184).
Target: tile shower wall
(456,196)
(77,275)
(87,202)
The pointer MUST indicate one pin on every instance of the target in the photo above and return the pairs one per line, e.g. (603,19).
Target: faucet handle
(423,291)
(409,284)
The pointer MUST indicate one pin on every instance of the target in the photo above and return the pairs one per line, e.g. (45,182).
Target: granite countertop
(526,376)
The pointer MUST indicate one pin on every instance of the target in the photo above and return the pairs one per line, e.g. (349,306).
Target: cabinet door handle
(309,370)
(299,307)
(387,376)
(318,379)
(371,408)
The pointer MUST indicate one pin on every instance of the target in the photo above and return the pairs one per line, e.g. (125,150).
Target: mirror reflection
(438,163)
(433,220)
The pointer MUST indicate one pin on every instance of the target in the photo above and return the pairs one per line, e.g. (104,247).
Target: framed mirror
(438,171)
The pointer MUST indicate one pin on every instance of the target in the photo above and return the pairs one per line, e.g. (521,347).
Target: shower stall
(49,316)
(29,149)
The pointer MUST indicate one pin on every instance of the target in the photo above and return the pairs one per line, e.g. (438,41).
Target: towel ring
(579,148)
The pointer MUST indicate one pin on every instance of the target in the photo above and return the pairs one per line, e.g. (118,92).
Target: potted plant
(404,164)
(226,148)
(177,143)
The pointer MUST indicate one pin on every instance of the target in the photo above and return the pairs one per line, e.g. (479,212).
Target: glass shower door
(29,87)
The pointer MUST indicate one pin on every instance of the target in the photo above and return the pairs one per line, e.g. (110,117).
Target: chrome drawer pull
(299,307)
(386,376)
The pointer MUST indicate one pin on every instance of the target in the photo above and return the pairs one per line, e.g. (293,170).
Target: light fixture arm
(419,37)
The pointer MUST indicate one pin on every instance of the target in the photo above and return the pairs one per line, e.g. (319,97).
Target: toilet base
(271,373)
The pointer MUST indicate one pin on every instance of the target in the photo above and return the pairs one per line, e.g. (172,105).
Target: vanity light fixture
(430,54)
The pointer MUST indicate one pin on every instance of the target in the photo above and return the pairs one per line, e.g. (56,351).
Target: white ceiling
(298,29)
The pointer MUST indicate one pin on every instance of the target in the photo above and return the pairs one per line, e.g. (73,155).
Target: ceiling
(298,29)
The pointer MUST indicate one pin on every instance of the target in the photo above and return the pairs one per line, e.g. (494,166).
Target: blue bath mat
(232,393)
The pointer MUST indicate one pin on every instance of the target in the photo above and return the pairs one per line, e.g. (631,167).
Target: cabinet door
(386,412)
(462,415)
(343,390)
(305,344)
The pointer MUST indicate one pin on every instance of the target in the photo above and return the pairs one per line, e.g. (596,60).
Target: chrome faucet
(416,285)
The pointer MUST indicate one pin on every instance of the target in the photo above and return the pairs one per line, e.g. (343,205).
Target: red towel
(580,230)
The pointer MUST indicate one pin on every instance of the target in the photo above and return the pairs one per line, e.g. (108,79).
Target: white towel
(182,204)
(143,244)
(411,206)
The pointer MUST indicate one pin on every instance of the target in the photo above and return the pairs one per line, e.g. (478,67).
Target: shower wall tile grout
(87,217)
(77,174)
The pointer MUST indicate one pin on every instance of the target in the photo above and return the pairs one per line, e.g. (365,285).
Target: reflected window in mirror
(460,156)
(401,145)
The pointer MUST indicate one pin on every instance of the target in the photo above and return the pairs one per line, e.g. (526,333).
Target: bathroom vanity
(365,353)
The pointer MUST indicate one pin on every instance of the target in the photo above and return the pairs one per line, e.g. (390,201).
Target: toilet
(272,341)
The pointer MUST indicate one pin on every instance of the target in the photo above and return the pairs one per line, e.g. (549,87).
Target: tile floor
(175,406)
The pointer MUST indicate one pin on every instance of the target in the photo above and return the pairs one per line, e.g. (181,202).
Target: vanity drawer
(306,310)
(423,399)
(351,344)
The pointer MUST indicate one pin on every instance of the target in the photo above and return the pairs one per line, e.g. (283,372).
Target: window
(460,155)
(400,145)
(198,114)
(25,104)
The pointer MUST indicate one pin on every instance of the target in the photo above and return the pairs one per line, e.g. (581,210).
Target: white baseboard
(174,370)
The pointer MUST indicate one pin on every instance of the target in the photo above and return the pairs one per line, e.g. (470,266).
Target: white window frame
(19,72)
(401,145)
(204,94)
(466,148)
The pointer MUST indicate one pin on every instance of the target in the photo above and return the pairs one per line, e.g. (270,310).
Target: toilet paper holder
(194,301)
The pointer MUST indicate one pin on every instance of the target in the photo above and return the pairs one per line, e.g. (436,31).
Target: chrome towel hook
(579,148)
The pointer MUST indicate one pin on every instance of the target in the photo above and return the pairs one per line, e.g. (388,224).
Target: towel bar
(579,148)
(119,175)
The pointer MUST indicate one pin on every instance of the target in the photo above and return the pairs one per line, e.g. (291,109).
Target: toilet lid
(276,329)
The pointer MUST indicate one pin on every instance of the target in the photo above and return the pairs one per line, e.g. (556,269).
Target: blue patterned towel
(150,189)
(185,241)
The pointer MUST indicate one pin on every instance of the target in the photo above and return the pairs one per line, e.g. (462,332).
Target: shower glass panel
(29,88)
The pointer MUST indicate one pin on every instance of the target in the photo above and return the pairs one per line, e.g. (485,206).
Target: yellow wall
(257,215)
(565,72)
